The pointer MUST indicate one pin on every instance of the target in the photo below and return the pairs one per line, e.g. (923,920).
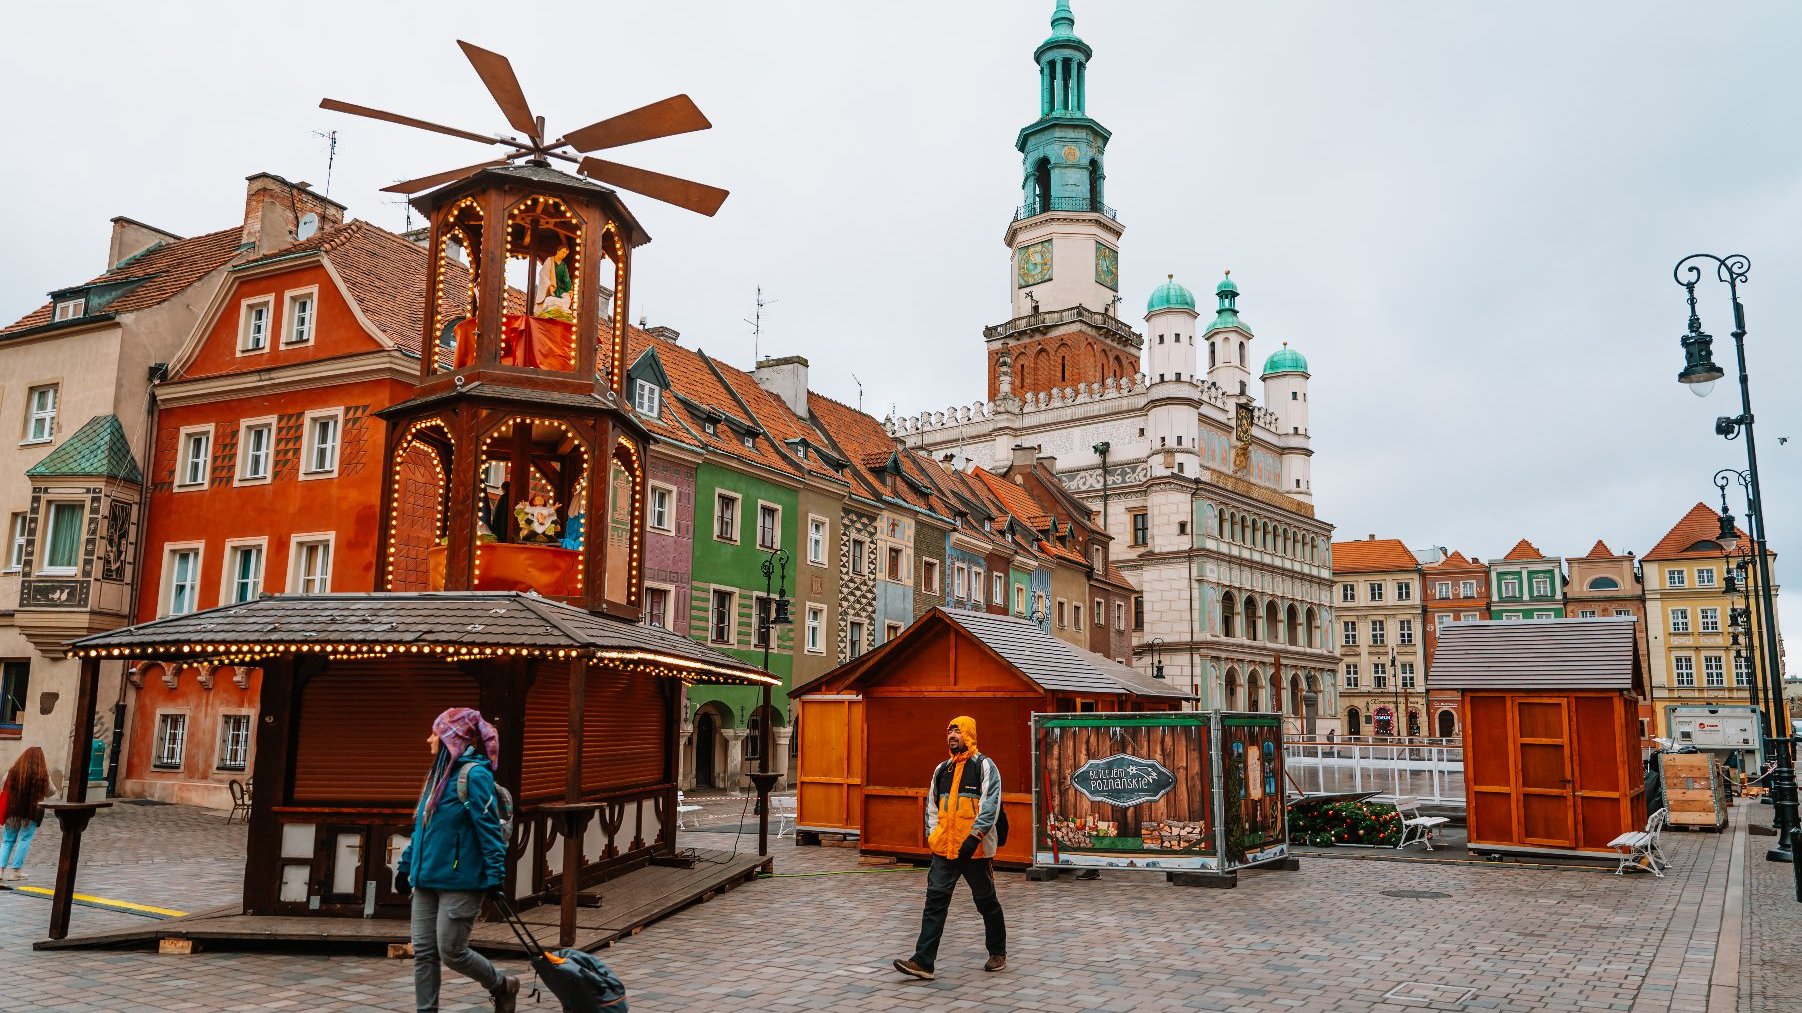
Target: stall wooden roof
(1044,660)
(1539,654)
(444,623)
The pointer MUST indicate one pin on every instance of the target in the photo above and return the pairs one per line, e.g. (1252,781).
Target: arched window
(1041,186)
(1448,724)
(1308,630)
(1603,584)
(1232,689)
(1273,625)
(1251,620)
(1254,685)
(1094,184)
(1063,369)
(1242,353)
(1211,353)
(1227,618)
(1354,721)
(1221,517)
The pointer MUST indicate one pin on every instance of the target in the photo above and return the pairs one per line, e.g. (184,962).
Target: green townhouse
(1526,584)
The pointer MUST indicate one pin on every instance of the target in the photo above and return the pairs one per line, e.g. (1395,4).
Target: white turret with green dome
(1229,342)
(1286,395)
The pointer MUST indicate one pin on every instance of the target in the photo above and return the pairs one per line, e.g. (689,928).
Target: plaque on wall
(53,593)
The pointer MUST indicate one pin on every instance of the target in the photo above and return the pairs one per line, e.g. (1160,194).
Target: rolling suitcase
(580,980)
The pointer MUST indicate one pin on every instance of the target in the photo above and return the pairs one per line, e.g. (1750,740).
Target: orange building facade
(265,477)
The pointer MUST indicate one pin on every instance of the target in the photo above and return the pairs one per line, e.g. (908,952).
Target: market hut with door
(872,730)
(1550,711)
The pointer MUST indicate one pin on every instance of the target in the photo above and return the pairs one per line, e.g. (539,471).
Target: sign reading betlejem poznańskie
(1123,780)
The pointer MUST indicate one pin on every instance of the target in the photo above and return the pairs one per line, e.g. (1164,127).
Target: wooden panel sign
(1124,791)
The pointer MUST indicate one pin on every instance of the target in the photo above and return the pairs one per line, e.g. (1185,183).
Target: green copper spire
(1063,148)
(1063,23)
(1285,360)
(1227,315)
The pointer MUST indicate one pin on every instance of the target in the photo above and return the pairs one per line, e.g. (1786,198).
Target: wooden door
(1543,760)
(829,788)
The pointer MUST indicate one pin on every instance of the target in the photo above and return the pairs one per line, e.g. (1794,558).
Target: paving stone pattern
(821,935)
(1770,978)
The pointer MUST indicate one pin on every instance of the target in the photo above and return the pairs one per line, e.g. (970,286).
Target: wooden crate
(1694,793)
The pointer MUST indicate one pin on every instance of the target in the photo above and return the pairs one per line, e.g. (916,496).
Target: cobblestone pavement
(1770,977)
(1334,936)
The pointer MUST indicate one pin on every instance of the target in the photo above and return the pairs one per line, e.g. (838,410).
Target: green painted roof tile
(97,450)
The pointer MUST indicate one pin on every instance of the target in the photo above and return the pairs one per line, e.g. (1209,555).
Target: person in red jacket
(963,810)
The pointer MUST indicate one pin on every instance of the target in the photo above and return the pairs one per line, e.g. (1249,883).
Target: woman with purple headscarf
(457,855)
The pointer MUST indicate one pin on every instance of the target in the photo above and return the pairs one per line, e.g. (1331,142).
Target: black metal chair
(240,800)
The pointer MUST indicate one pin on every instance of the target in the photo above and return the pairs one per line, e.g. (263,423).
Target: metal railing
(1431,769)
(1039,207)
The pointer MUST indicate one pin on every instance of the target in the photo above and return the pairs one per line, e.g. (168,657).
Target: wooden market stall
(1552,745)
(872,730)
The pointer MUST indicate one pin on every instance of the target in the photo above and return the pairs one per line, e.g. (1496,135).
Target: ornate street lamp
(1699,373)
(774,564)
(1155,647)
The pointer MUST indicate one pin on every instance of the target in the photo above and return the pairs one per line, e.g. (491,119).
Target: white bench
(685,813)
(783,808)
(1416,829)
(1639,848)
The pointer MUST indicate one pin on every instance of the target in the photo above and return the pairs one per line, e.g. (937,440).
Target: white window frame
(738,503)
(1404,591)
(47,539)
(166,593)
(1076,616)
(1019,599)
(1683,665)
(731,594)
(998,589)
(308,448)
(1742,671)
(1379,633)
(15,541)
(1508,583)
(1715,678)
(1680,620)
(1404,674)
(854,637)
(160,741)
(1348,593)
(929,577)
(815,629)
(1708,620)
(1676,578)
(858,557)
(668,525)
(69,309)
(1374,589)
(1623,612)
(775,528)
(46,416)
(1351,675)
(241,475)
(1586,613)
(184,460)
(1443,590)
(298,578)
(1404,632)
(222,743)
(819,539)
(1120,617)
(228,580)
(1467,589)
(246,309)
(647,398)
(291,316)
(1348,633)
(1469,617)
(669,602)
(1379,675)
(1443,620)
(1542,582)
(1704,576)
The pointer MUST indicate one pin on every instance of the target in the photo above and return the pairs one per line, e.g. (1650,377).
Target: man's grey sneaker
(908,967)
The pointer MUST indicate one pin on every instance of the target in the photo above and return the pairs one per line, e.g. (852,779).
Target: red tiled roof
(385,275)
(868,446)
(1013,498)
(1600,550)
(1457,560)
(1372,555)
(1523,549)
(1700,525)
(167,269)
(691,376)
(773,415)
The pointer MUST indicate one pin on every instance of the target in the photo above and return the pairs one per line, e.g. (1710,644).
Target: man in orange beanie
(964,826)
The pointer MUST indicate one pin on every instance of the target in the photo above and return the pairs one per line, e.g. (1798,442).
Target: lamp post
(1155,648)
(774,563)
(1700,373)
(1396,728)
(1736,582)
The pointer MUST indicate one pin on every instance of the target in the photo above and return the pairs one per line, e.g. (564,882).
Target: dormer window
(70,309)
(710,427)
(749,441)
(647,398)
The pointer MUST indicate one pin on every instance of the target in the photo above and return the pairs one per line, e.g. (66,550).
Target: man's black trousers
(940,879)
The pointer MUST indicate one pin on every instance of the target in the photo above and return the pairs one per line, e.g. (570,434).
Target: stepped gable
(160,273)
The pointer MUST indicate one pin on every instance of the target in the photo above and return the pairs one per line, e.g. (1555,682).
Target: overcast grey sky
(1464,214)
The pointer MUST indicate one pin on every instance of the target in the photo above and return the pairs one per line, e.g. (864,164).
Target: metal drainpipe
(1194,676)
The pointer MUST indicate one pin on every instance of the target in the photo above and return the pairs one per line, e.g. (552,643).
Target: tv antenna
(407,209)
(331,155)
(756,322)
(859,384)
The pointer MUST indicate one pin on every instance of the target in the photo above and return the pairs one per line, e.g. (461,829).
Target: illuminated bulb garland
(406,445)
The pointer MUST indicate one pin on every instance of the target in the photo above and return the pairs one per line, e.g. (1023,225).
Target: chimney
(273,208)
(787,379)
(1024,456)
(671,335)
(133,237)
(1049,462)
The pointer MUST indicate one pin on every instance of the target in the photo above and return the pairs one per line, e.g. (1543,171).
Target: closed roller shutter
(363,727)
(622,744)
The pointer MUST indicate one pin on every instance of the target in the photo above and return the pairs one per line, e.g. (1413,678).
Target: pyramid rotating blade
(677,114)
(408,121)
(683,193)
(427,182)
(497,74)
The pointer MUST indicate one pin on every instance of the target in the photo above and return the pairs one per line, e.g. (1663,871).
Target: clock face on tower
(1107,266)
(1033,265)
(1070,153)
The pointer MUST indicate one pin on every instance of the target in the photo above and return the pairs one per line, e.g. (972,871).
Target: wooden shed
(872,730)
(1551,731)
